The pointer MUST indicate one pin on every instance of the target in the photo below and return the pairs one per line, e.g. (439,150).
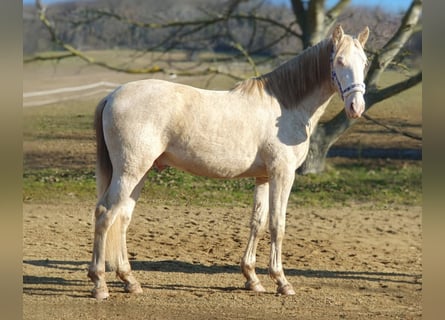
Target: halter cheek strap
(353,87)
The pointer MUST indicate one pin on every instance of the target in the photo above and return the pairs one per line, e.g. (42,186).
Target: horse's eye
(341,61)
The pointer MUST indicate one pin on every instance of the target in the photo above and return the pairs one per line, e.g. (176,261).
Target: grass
(386,184)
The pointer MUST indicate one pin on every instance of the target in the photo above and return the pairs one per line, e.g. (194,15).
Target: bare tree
(221,25)
(249,29)
(326,134)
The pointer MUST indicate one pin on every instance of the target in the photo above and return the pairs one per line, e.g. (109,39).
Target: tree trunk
(324,136)
(318,149)
(315,22)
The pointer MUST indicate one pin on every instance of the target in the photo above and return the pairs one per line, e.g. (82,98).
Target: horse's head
(348,61)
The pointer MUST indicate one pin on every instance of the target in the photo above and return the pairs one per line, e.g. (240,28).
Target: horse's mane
(291,82)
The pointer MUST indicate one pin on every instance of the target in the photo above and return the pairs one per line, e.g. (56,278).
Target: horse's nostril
(352,106)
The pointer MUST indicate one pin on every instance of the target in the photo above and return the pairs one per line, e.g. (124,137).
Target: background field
(353,242)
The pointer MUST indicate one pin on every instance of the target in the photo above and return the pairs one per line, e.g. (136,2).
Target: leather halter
(353,87)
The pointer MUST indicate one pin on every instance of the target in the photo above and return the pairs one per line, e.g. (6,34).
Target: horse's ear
(363,36)
(337,34)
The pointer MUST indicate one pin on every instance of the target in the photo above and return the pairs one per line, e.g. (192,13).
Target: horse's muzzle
(355,105)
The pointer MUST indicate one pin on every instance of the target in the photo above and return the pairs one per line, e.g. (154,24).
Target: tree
(251,30)
(326,134)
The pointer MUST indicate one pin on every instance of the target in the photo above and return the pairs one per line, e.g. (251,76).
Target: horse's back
(158,105)
(210,133)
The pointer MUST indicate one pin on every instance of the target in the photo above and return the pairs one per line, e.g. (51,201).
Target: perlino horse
(260,129)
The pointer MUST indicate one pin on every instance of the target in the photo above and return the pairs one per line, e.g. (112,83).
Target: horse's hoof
(256,287)
(134,288)
(286,290)
(100,294)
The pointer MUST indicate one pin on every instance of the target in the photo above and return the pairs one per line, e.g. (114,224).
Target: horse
(260,128)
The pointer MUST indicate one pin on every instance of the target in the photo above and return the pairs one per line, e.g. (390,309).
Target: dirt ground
(346,263)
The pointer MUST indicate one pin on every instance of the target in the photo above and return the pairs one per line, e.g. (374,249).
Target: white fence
(38,98)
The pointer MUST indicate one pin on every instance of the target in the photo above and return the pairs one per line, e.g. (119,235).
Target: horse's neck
(314,105)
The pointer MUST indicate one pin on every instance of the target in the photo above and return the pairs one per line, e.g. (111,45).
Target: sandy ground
(345,263)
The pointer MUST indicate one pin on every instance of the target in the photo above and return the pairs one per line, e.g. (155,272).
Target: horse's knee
(100,210)
(125,217)
(103,219)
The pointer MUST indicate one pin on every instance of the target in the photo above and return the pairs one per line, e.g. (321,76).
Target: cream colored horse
(260,129)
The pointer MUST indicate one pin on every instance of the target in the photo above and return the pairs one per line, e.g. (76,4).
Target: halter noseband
(353,87)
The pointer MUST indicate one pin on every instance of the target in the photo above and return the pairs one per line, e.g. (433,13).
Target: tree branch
(392,129)
(381,61)
(74,52)
(333,14)
(154,25)
(196,22)
(374,96)
(45,57)
(337,9)
(249,59)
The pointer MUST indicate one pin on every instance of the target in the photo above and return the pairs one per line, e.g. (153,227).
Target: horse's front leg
(257,225)
(280,187)
(131,285)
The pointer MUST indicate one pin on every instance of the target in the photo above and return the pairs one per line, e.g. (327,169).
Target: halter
(354,87)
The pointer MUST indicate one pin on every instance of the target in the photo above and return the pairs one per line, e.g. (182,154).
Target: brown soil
(352,263)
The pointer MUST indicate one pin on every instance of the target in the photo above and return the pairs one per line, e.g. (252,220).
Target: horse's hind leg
(131,285)
(257,225)
(96,271)
(113,215)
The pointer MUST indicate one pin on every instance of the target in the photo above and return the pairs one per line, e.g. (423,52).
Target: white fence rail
(38,98)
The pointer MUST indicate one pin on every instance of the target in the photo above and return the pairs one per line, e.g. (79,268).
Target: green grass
(385,184)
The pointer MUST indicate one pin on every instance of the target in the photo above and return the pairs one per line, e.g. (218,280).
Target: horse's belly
(213,165)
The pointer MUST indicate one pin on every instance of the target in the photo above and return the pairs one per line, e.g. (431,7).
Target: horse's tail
(104,171)
(104,168)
